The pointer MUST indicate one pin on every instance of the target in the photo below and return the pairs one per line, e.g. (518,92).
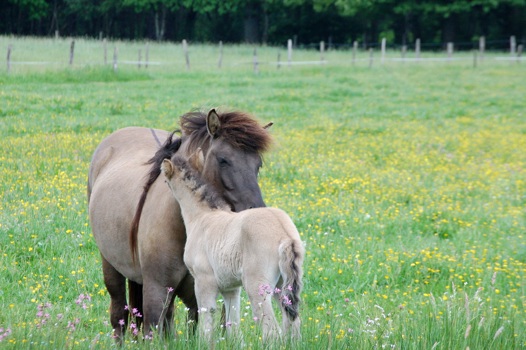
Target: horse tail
(290,266)
(166,151)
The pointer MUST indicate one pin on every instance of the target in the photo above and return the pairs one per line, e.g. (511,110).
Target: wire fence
(61,53)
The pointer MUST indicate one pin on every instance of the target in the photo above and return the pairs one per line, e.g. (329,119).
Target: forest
(337,22)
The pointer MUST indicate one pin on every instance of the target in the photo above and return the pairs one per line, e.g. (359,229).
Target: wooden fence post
(185,50)
(404,50)
(105,48)
(417,48)
(220,62)
(9,58)
(279,60)
(513,45)
(519,53)
(146,55)
(370,57)
(354,49)
(139,57)
(255,61)
(482,47)
(115,54)
(322,50)
(449,49)
(382,56)
(71,52)
(289,51)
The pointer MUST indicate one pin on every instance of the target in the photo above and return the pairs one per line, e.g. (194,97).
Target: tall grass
(405,181)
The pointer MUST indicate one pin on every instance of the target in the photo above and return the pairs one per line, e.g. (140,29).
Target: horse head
(231,158)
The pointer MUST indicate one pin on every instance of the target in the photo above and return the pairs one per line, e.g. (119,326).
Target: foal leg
(290,328)
(232,309)
(262,310)
(186,292)
(116,286)
(206,291)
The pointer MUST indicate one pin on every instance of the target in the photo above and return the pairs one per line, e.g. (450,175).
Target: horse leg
(157,303)
(116,286)
(232,309)
(135,300)
(186,293)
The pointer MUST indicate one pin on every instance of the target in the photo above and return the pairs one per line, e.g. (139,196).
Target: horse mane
(166,151)
(238,129)
(207,194)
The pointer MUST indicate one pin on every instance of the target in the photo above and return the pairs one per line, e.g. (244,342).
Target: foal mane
(169,147)
(195,183)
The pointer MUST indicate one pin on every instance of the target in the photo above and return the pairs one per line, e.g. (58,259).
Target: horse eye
(222,161)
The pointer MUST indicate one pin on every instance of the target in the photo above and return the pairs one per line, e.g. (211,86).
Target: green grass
(406,181)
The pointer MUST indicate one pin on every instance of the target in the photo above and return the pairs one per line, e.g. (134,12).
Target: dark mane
(169,147)
(239,129)
(191,177)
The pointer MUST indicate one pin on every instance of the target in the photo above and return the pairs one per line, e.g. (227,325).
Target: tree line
(270,21)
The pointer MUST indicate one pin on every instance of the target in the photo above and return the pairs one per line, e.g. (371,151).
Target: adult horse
(136,221)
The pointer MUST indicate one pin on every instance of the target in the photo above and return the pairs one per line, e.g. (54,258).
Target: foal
(258,249)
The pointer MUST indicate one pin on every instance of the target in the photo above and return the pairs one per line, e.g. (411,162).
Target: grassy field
(406,181)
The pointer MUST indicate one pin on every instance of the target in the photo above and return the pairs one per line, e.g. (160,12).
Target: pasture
(407,183)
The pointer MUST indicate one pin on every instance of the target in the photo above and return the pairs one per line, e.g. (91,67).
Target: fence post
(139,57)
(382,57)
(220,62)
(513,45)
(354,49)
(289,51)
(9,58)
(71,52)
(482,46)
(370,57)
(185,50)
(417,48)
(404,50)
(255,60)
(519,53)
(279,60)
(146,55)
(115,53)
(322,50)
(105,48)
(449,49)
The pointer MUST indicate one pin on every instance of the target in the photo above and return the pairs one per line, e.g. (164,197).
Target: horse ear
(268,125)
(212,123)
(197,160)
(167,168)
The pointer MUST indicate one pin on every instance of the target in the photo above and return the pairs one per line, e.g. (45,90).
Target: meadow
(407,183)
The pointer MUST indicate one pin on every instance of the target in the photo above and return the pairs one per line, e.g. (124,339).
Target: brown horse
(136,221)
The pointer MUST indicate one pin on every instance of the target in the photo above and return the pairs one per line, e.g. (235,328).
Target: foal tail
(290,265)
